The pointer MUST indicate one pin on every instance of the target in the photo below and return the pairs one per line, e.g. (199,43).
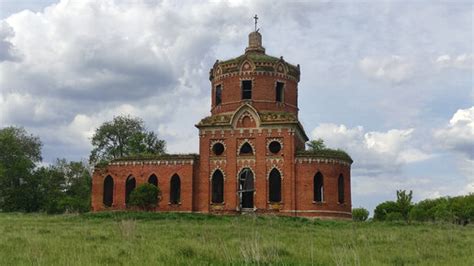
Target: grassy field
(183,239)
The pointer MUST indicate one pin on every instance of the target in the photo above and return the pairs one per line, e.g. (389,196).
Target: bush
(360,214)
(384,208)
(145,196)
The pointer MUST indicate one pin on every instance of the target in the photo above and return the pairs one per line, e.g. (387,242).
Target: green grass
(125,238)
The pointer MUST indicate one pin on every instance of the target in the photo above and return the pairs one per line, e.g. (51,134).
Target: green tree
(19,153)
(145,196)
(77,185)
(124,136)
(50,189)
(360,214)
(316,145)
(404,203)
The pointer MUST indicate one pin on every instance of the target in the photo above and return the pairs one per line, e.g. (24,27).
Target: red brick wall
(305,172)
(231,163)
(263,94)
(185,169)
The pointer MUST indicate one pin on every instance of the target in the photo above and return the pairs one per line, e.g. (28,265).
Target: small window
(279,91)
(246,89)
(246,149)
(218,94)
(274,147)
(218,148)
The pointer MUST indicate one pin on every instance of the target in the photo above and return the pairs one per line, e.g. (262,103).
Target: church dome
(254,60)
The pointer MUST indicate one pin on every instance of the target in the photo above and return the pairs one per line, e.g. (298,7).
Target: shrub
(383,209)
(145,196)
(360,214)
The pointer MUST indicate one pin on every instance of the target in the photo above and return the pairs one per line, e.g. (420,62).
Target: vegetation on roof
(317,148)
(326,153)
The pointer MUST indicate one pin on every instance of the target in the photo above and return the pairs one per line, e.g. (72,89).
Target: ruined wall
(186,169)
(306,169)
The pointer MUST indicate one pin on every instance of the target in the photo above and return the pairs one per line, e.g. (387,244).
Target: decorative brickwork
(268,124)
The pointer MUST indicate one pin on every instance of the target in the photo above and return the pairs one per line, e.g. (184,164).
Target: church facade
(251,157)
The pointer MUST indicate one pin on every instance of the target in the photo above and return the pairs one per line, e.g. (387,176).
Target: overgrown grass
(138,238)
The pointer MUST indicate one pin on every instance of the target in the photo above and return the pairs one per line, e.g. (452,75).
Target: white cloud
(462,61)
(374,153)
(393,68)
(6,47)
(458,134)
(458,137)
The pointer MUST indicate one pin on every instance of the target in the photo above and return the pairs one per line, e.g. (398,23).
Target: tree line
(458,210)
(27,185)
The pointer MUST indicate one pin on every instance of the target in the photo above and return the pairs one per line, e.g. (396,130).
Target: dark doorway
(153,180)
(108,195)
(129,187)
(274,184)
(246,188)
(217,187)
(175,189)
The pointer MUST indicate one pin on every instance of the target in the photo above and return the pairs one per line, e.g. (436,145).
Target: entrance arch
(246,189)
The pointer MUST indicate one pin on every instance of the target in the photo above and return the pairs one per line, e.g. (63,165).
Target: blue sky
(391,82)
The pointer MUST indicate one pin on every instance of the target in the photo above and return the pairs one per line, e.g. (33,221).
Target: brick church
(251,157)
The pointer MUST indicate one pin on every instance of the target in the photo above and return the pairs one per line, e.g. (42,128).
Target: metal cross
(256,18)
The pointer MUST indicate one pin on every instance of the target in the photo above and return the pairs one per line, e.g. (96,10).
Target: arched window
(153,180)
(108,195)
(130,185)
(246,149)
(318,187)
(175,189)
(246,188)
(217,187)
(274,183)
(340,189)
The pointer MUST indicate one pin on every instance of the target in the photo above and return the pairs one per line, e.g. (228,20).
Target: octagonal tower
(267,83)
(249,145)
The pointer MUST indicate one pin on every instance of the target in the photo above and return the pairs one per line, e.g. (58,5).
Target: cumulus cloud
(393,68)
(463,61)
(79,63)
(458,134)
(458,137)
(375,153)
(6,47)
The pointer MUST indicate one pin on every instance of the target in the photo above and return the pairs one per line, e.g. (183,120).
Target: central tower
(248,144)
